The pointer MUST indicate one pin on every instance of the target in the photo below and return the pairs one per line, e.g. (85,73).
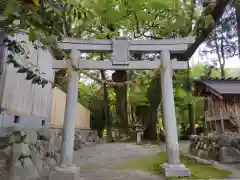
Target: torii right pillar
(172,168)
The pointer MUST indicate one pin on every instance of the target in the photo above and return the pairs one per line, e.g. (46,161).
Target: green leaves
(72,2)
(16,49)
(32,34)
(22,70)
(10,7)
(36,2)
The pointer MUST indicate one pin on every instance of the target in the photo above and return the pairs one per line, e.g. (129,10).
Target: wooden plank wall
(20,97)
(82,120)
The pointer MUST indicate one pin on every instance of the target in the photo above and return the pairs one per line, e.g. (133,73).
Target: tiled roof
(220,79)
(223,85)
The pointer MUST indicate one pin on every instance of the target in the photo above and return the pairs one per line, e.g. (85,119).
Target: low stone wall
(26,154)
(218,147)
(83,137)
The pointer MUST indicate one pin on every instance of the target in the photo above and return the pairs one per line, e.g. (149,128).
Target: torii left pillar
(66,170)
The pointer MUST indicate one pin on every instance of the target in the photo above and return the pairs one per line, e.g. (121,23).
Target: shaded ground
(97,162)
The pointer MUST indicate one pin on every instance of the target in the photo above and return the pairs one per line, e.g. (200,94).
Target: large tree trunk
(121,99)
(142,114)
(154,98)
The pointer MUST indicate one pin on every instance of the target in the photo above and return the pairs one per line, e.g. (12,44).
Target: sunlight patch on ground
(152,164)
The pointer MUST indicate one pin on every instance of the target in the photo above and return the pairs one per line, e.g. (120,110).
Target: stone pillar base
(172,170)
(68,173)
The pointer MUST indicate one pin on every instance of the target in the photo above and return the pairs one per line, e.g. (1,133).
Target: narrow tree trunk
(106,105)
(2,64)
(190,109)
(237,11)
(220,51)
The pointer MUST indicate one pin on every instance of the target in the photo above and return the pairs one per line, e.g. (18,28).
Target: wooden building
(221,103)
(19,96)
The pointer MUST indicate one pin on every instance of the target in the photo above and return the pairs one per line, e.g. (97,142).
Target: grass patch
(198,170)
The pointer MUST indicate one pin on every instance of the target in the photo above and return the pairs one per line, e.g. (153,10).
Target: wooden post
(237,115)
(205,113)
(222,121)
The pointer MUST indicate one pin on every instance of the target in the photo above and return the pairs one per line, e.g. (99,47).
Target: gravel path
(96,161)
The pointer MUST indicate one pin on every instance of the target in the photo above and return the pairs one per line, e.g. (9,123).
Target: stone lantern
(139,130)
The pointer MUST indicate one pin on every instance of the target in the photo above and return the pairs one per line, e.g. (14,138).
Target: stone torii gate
(121,48)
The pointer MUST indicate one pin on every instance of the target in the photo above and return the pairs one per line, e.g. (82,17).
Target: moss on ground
(198,170)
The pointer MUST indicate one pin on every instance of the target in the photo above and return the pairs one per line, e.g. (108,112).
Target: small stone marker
(139,131)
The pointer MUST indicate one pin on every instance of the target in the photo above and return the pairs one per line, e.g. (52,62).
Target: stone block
(206,140)
(198,145)
(29,169)
(7,131)
(193,137)
(205,146)
(225,140)
(194,151)
(203,154)
(199,152)
(44,134)
(235,143)
(31,137)
(178,170)
(69,173)
(3,142)
(36,158)
(229,155)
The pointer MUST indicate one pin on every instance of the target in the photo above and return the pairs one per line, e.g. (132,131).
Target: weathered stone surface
(194,151)
(14,137)
(16,172)
(6,131)
(57,157)
(193,137)
(29,168)
(208,147)
(3,142)
(229,155)
(68,174)
(36,158)
(203,154)
(206,140)
(205,146)
(175,170)
(79,141)
(225,140)
(199,152)
(23,152)
(235,143)
(44,134)
(32,154)
(31,137)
